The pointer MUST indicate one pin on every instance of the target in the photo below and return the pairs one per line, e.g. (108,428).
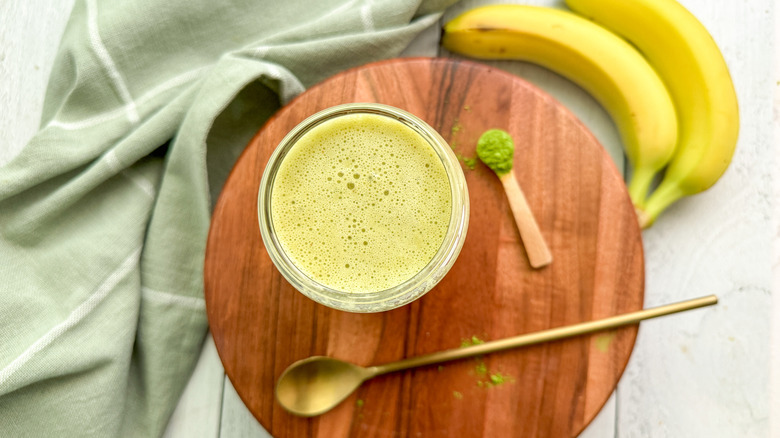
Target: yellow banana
(596,59)
(693,69)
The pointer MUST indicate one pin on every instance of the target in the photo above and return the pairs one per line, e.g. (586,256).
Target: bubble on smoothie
(400,207)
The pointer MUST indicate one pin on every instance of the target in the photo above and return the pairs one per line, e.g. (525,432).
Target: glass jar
(403,292)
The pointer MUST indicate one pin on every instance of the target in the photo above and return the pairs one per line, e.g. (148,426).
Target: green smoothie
(361,203)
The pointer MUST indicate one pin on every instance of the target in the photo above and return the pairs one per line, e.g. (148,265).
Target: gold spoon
(317,384)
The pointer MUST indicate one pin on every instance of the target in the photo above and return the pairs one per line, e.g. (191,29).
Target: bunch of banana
(686,57)
(596,59)
(673,106)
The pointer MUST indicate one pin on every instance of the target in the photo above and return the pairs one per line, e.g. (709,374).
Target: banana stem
(666,194)
(639,185)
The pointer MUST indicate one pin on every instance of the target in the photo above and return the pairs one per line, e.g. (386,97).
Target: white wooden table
(710,373)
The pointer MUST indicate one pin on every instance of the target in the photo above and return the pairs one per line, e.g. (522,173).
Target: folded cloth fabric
(104,214)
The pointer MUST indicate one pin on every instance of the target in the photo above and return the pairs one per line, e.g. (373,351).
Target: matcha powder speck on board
(485,378)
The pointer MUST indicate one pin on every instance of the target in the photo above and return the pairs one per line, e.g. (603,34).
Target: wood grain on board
(260,324)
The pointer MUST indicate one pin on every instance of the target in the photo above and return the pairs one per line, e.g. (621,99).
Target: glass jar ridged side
(363,207)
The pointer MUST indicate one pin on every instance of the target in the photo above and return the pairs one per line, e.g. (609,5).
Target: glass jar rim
(400,294)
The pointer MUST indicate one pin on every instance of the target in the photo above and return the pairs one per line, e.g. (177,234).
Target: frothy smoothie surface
(361,203)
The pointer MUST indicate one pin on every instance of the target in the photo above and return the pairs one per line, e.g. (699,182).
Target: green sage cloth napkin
(104,214)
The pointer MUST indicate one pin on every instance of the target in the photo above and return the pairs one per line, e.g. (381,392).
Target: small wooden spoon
(496,149)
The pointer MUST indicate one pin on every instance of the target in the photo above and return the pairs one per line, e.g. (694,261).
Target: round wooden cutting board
(260,324)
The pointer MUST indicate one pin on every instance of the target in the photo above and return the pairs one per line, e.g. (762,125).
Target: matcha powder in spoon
(495,148)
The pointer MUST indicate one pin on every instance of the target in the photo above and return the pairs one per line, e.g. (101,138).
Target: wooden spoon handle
(535,245)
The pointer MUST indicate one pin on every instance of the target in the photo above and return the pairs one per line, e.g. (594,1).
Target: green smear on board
(498,379)
(602,341)
(471,163)
(456,128)
(471,341)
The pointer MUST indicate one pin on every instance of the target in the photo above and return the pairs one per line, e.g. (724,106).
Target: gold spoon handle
(544,335)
